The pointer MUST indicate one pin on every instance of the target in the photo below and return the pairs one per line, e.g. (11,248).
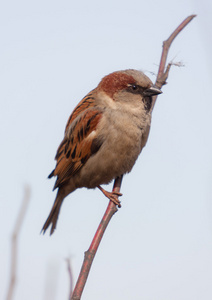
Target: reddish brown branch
(111,209)
(162,76)
(90,253)
(14,241)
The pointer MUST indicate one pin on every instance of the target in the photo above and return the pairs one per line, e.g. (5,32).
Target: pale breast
(122,135)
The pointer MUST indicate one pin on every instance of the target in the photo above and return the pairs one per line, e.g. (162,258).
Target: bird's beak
(152,91)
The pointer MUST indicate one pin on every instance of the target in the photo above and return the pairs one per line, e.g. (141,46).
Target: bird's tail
(54,213)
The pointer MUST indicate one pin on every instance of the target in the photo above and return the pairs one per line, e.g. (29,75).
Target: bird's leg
(113,196)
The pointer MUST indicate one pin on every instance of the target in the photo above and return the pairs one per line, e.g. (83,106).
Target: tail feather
(54,213)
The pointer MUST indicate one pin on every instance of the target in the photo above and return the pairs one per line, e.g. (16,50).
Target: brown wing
(77,146)
(85,103)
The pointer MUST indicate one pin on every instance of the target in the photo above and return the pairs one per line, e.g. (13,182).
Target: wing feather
(79,143)
(86,103)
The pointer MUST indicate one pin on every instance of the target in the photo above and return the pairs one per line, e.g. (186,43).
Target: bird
(103,137)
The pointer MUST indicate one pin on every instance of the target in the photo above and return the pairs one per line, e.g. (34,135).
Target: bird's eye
(134,87)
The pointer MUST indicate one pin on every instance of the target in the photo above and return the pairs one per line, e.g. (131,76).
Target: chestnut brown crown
(132,81)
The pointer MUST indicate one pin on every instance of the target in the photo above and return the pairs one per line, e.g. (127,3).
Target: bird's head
(130,87)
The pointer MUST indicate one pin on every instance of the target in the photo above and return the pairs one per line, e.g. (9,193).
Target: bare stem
(162,76)
(68,260)
(90,253)
(14,242)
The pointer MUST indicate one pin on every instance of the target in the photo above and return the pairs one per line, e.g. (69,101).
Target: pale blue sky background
(159,245)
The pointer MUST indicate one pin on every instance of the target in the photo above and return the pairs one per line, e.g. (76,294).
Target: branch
(70,273)
(90,253)
(112,209)
(14,241)
(162,76)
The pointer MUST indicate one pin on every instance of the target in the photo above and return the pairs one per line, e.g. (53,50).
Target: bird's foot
(113,196)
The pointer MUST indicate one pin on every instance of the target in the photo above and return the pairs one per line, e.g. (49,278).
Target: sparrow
(103,137)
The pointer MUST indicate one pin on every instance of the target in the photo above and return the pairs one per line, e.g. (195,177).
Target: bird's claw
(113,196)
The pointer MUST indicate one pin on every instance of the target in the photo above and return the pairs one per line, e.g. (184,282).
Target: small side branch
(14,242)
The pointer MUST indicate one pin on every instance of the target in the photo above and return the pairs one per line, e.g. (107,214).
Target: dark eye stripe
(135,89)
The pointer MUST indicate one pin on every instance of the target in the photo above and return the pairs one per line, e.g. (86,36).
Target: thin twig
(70,273)
(162,76)
(111,209)
(14,242)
